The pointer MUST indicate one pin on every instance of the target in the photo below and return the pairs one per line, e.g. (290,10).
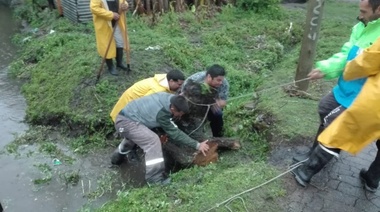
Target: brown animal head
(211,156)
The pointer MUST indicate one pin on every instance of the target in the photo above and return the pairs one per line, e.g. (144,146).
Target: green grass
(296,116)
(258,53)
(199,189)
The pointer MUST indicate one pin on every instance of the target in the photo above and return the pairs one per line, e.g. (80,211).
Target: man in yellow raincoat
(109,15)
(344,93)
(169,83)
(359,125)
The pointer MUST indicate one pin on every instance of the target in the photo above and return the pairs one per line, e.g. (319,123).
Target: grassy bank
(258,51)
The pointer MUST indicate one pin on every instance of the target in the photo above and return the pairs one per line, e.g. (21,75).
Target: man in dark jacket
(215,78)
(136,120)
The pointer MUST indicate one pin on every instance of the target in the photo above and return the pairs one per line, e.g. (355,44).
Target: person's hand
(221,103)
(316,74)
(124,7)
(116,16)
(203,147)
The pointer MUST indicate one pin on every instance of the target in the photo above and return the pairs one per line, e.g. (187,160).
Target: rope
(234,98)
(203,120)
(249,94)
(227,201)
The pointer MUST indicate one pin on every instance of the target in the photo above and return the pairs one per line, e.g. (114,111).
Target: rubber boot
(124,151)
(303,157)
(119,59)
(318,159)
(371,177)
(111,67)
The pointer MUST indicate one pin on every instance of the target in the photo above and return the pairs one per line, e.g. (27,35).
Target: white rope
(241,96)
(251,189)
(203,120)
(249,94)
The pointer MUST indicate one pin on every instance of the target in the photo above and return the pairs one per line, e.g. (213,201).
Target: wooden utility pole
(309,41)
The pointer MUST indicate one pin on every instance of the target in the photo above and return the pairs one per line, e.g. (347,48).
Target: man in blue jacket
(343,94)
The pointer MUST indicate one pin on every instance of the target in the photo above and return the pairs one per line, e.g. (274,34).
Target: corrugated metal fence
(77,11)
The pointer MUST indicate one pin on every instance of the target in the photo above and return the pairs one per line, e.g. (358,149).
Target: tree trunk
(148,6)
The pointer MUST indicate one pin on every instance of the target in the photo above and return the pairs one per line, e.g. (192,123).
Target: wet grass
(43,138)
(258,52)
(46,171)
(201,188)
(296,116)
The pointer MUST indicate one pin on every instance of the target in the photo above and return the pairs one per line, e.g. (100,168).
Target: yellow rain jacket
(359,125)
(102,18)
(158,83)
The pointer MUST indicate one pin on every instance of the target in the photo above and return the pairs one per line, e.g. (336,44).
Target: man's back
(144,110)
(139,89)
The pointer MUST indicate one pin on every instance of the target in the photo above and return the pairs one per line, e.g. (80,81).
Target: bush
(258,5)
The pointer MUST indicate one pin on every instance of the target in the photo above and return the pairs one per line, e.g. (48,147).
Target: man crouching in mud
(137,118)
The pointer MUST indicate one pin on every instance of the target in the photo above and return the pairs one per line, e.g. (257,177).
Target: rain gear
(359,125)
(102,18)
(158,83)
(362,36)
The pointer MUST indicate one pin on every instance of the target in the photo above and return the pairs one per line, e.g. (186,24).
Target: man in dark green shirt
(156,110)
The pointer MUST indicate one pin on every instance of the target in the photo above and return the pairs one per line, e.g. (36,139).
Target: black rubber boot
(124,150)
(318,159)
(371,177)
(303,157)
(111,67)
(119,59)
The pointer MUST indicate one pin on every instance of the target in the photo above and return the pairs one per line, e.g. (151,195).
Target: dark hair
(215,71)
(180,103)
(374,4)
(175,75)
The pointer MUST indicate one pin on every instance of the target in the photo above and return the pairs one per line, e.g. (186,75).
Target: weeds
(46,170)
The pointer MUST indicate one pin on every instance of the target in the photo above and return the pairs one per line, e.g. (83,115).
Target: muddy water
(18,192)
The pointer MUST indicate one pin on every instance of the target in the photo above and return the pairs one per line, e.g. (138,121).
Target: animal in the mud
(179,156)
(200,97)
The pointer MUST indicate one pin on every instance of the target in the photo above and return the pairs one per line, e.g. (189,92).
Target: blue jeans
(216,122)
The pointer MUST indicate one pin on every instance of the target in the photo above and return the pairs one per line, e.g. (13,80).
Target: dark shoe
(117,158)
(111,67)
(303,157)
(318,159)
(132,157)
(124,150)
(368,184)
(119,59)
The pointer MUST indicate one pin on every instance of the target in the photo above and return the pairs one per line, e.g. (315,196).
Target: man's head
(215,76)
(369,10)
(178,106)
(175,79)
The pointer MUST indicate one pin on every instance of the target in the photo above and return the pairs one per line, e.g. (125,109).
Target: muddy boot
(318,159)
(371,177)
(123,151)
(303,157)
(119,59)
(111,67)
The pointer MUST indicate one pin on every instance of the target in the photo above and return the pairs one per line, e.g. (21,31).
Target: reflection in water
(17,190)
(7,50)
(12,104)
